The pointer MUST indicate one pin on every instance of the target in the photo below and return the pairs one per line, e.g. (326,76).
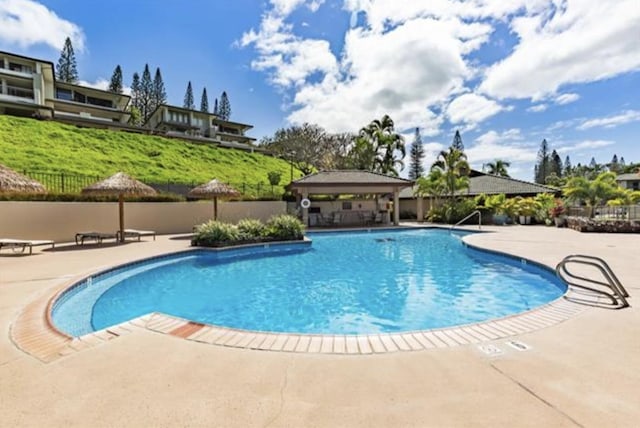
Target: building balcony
(17,92)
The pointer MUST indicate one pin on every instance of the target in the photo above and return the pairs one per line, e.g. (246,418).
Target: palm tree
(387,143)
(592,192)
(454,169)
(498,167)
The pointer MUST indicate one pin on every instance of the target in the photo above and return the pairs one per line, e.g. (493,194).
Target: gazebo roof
(119,183)
(11,181)
(350,177)
(212,189)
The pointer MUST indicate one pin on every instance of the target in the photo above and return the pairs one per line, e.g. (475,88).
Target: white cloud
(612,121)
(26,23)
(563,99)
(102,84)
(573,41)
(508,145)
(538,108)
(471,109)
(582,146)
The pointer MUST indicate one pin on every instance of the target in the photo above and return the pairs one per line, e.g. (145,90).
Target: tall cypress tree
(135,91)
(159,94)
(555,166)
(146,93)
(215,107)
(115,85)
(67,67)
(614,166)
(457,142)
(542,165)
(224,109)
(188,98)
(416,169)
(204,101)
(567,167)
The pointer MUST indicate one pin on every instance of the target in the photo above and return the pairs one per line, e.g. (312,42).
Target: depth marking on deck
(516,344)
(490,349)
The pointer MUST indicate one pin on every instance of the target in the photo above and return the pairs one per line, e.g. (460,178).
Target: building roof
(629,176)
(92,89)
(481,183)
(215,117)
(350,177)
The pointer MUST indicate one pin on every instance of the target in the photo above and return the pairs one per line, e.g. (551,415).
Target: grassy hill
(47,146)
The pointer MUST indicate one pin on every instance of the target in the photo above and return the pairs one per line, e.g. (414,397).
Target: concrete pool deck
(584,371)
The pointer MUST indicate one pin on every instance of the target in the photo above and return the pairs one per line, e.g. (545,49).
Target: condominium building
(28,88)
(198,125)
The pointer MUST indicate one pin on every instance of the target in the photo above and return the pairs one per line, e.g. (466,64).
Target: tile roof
(493,184)
(350,177)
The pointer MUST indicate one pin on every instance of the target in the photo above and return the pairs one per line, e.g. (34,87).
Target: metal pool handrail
(468,217)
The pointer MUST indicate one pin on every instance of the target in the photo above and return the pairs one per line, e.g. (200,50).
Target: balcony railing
(15,91)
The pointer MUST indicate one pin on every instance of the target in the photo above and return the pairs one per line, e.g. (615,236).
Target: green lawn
(47,146)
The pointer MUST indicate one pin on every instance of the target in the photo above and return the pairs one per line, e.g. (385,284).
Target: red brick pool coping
(33,332)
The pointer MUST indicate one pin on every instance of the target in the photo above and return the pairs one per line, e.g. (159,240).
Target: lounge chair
(97,237)
(135,233)
(22,244)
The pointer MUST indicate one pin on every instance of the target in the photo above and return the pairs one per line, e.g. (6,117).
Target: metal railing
(620,212)
(467,218)
(618,293)
(16,91)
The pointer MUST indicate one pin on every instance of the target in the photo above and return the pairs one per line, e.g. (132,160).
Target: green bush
(215,234)
(251,229)
(285,227)
(454,211)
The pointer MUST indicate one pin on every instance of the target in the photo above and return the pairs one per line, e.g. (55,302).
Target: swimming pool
(380,281)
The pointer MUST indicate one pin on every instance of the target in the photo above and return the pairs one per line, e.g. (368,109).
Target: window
(64,94)
(346,206)
(79,98)
(99,102)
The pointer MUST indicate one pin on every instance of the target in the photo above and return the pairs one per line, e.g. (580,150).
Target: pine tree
(204,101)
(622,162)
(614,166)
(542,165)
(416,169)
(555,166)
(146,93)
(567,167)
(115,85)
(67,68)
(593,164)
(215,107)
(457,142)
(159,96)
(188,98)
(224,109)
(135,91)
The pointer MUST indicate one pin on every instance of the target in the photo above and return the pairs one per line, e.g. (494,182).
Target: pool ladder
(616,293)
(476,212)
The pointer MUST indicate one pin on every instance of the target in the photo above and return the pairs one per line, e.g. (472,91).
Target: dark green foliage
(542,168)
(452,212)
(285,227)
(136,91)
(555,165)
(568,169)
(387,147)
(215,107)
(274,177)
(115,85)
(146,94)
(218,234)
(188,98)
(614,165)
(204,101)
(416,169)
(159,94)
(224,109)
(457,142)
(67,69)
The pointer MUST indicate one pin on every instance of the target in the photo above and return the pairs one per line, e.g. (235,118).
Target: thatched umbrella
(213,189)
(12,182)
(120,184)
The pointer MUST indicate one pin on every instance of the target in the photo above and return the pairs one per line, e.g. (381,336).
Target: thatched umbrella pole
(213,189)
(120,184)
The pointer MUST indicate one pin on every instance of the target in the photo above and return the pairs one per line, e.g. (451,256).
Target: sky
(507,74)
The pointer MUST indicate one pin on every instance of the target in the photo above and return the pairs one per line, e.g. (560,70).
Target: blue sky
(507,74)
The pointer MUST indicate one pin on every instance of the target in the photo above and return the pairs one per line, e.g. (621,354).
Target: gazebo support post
(420,209)
(215,208)
(121,212)
(396,207)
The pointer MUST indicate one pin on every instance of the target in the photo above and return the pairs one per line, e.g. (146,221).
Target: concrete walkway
(582,372)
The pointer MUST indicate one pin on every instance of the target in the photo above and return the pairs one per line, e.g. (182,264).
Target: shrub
(285,227)
(215,234)
(455,211)
(251,229)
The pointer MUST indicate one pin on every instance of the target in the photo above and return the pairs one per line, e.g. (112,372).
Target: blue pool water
(344,283)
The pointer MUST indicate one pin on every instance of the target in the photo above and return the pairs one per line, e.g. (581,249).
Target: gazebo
(348,182)
(12,182)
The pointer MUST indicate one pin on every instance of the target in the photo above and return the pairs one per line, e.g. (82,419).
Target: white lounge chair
(22,244)
(135,233)
(94,236)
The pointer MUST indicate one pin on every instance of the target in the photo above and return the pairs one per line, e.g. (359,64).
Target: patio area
(584,371)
